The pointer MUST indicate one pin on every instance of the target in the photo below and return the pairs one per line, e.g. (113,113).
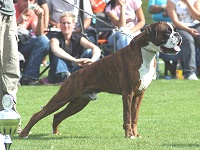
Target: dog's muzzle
(172,46)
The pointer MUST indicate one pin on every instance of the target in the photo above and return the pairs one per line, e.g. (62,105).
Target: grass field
(168,119)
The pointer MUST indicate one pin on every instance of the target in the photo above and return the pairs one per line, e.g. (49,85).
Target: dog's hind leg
(55,103)
(72,108)
(136,102)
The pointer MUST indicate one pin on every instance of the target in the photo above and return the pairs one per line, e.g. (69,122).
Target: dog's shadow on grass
(50,137)
(54,136)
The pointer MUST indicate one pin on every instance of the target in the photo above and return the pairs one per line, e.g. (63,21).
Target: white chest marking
(147,70)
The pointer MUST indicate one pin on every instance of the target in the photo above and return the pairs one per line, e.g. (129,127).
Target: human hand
(87,62)
(194,32)
(39,11)
(82,62)
(164,13)
(121,2)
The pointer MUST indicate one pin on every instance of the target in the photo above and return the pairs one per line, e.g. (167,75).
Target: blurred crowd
(71,41)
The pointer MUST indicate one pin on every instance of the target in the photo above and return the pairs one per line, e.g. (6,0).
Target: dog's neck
(148,52)
(143,40)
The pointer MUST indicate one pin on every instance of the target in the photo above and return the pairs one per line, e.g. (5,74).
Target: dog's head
(164,34)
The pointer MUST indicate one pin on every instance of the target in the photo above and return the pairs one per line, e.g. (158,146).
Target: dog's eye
(168,32)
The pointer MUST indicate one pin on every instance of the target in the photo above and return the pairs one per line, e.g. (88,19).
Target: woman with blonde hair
(67,51)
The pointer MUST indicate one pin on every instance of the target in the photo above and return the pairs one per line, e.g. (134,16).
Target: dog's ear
(152,30)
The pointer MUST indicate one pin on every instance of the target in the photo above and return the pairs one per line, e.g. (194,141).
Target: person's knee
(87,53)
(42,40)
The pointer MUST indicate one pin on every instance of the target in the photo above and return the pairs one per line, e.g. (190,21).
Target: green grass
(168,119)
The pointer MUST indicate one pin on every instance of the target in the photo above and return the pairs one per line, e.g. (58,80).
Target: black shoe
(27,81)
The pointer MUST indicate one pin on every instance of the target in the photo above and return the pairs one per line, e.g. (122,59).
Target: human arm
(194,10)
(38,25)
(46,15)
(173,15)
(154,9)
(141,20)
(96,52)
(59,52)
(118,21)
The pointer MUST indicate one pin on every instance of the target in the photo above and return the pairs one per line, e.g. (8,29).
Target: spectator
(67,52)
(56,8)
(159,13)
(36,47)
(98,6)
(184,15)
(128,16)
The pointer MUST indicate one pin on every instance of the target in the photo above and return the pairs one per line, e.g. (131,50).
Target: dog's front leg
(136,102)
(127,104)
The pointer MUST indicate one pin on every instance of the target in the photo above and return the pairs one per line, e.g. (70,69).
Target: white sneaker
(192,77)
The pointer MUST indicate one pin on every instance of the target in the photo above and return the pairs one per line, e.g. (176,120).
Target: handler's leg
(9,64)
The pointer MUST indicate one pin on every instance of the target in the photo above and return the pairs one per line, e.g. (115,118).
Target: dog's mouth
(172,51)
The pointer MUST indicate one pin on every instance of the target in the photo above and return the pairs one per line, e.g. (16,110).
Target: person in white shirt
(185,15)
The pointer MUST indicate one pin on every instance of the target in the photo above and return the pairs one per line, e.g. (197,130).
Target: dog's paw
(56,133)
(132,137)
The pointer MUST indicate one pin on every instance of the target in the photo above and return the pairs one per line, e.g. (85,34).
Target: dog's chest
(148,68)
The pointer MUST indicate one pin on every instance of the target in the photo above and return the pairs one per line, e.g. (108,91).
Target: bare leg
(71,109)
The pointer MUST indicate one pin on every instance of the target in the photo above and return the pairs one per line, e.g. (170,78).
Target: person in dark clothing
(67,51)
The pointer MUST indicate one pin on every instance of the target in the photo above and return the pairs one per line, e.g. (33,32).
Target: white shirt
(183,14)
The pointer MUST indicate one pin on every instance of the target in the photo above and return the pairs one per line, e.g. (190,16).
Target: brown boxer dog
(127,72)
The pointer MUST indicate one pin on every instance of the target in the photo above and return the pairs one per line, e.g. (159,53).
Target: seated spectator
(98,6)
(128,16)
(184,15)
(32,47)
(158,9)
(57,8)
(67,51)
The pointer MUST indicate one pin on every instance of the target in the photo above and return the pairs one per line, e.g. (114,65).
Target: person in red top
(34,50)
(98,6)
